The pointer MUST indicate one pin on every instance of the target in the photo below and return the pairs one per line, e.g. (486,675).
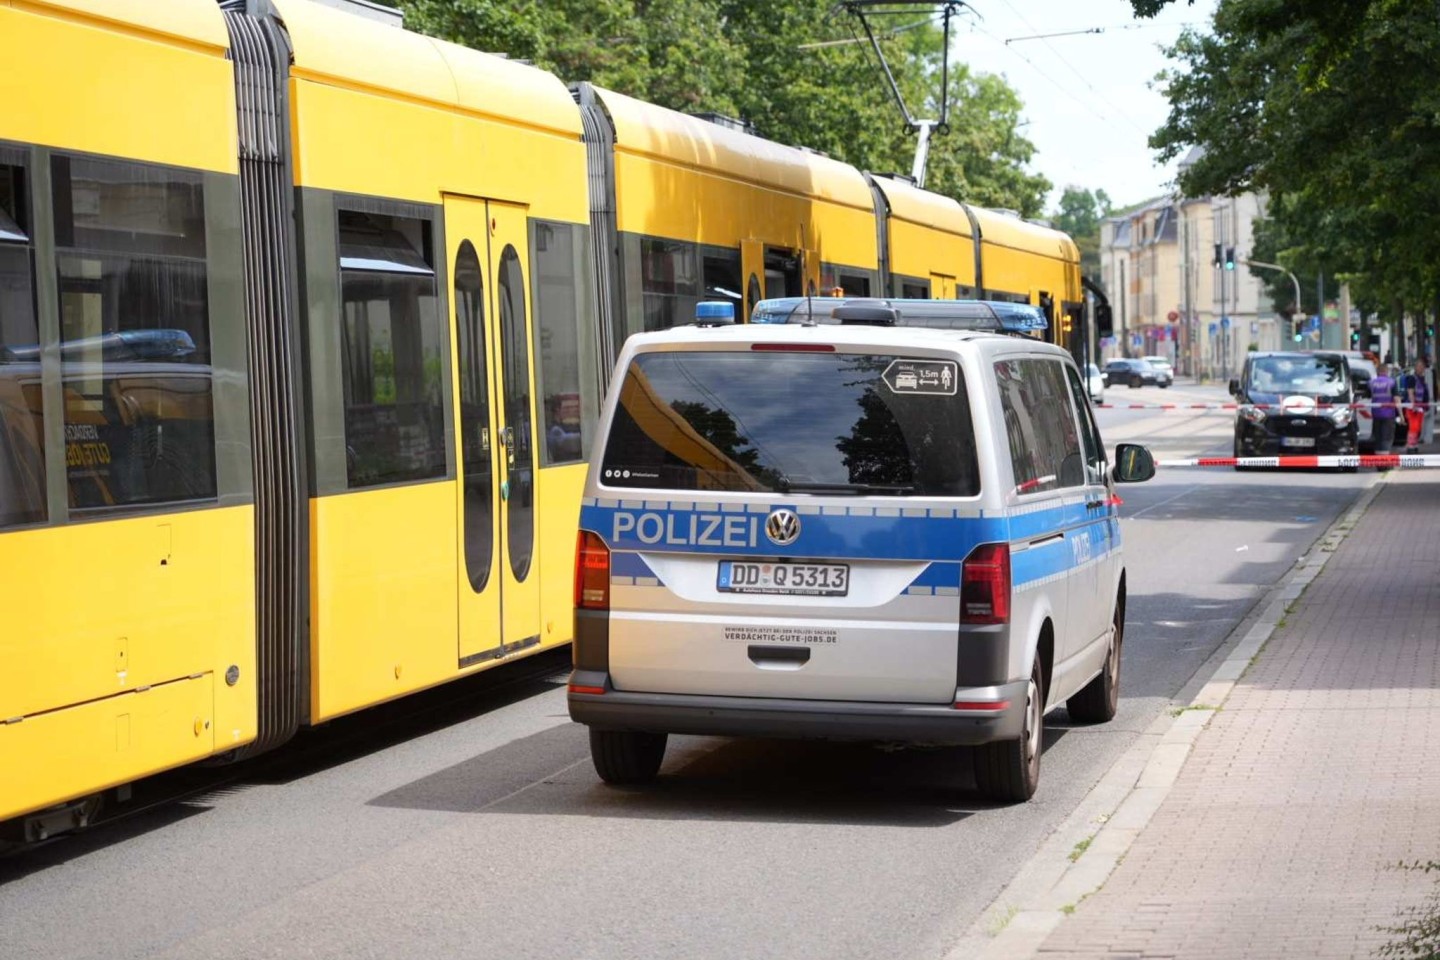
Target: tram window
(563,319)
(134,331)
(721,269)
(669,282)
(475,449)
(855,285)
(22,435)
(913,288)
(390,339)
(515,383)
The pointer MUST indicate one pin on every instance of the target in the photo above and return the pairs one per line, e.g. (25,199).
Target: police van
(868,520)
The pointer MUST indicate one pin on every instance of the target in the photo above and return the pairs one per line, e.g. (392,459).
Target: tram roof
(690,141)
(1008,230)
(334,46)
(916,205)
(191,21)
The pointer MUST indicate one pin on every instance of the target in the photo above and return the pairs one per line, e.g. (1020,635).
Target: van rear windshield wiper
(856,489)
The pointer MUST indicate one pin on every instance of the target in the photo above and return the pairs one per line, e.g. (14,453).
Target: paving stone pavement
(1319,775)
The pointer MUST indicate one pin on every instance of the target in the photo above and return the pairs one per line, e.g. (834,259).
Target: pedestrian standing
(1417,402)
(1384,407)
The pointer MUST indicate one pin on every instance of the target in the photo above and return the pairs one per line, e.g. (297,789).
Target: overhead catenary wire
(1036,67)
(887,35)
(1072,68)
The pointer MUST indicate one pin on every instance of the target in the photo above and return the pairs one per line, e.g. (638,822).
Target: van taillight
(592,572)
(985,585)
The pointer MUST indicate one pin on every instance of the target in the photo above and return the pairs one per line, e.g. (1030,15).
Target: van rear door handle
(1093,504)
(777,656)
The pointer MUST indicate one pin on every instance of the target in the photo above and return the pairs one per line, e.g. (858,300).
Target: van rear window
(793,422)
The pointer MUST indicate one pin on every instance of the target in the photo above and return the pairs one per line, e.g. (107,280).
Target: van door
(1048,539)
(1099,577)
(498,579)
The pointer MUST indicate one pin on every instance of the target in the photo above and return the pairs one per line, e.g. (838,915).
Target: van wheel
(626,756)
(1010,769)
(1098,700)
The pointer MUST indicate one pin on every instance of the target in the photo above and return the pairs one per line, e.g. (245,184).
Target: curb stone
(1111,816)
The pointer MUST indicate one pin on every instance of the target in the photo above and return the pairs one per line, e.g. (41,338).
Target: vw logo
(782,527)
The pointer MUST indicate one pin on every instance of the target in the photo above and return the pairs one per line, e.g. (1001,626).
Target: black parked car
(1132,373)
(1294,403)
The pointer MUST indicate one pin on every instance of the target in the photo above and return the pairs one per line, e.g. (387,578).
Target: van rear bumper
(800,719)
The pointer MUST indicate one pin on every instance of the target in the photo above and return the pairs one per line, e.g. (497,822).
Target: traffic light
(1354,339)
(1216,261)
(1229,258)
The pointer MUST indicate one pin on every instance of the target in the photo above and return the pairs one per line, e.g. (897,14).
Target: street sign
(1225,323)
(1214,328)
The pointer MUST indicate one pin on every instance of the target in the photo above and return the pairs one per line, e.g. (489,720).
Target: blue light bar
(994,315)
(710,313)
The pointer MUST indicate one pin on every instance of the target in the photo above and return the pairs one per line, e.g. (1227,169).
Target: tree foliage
(1331,108)
(758,59)
(1079,215)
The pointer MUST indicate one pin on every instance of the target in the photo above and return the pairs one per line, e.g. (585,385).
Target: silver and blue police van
(870,520)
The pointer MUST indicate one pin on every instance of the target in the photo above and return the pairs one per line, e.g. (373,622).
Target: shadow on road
(775,781)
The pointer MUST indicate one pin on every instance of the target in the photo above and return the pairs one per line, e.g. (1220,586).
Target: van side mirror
(1133,463)
(1234,387)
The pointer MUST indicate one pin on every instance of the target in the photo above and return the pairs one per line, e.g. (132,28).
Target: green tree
(1079,215)
(1330,108)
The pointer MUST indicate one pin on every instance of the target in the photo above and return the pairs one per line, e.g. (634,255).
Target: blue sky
(1088,97)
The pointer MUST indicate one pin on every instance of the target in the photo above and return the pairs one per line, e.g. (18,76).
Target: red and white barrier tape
(1398,461)
(1284,408)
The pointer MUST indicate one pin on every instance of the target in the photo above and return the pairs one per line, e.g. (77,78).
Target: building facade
(1163,265)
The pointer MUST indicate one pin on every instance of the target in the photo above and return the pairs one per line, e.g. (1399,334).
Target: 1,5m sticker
(935,377)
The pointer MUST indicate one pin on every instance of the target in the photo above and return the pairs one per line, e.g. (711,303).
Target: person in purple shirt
(1384,407)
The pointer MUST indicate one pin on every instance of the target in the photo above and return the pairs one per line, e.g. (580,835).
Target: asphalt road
(482,831)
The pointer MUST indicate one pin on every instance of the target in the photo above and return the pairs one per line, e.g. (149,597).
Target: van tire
(626,756)
(1098,700)
(1009,770)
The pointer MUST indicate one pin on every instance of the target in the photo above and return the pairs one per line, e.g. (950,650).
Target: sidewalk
(1320,773)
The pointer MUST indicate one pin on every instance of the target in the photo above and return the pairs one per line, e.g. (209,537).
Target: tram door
(942,287)
(499,574)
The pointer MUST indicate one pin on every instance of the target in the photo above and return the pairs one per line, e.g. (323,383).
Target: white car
(1164,368)
(1095,383)
(775,542)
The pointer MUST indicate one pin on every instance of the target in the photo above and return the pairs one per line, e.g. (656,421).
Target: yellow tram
(304,323)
